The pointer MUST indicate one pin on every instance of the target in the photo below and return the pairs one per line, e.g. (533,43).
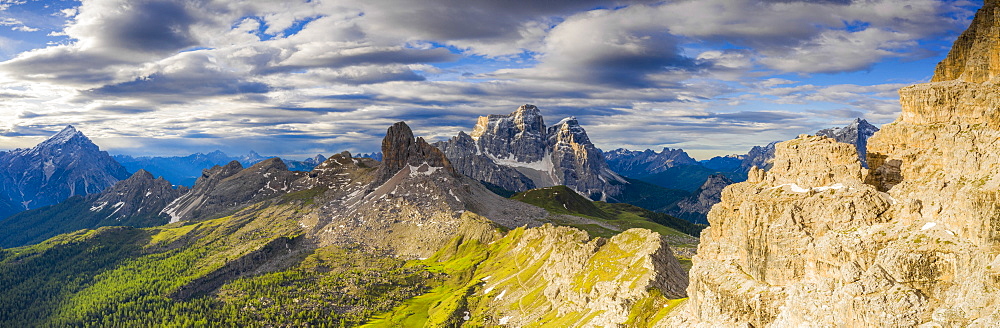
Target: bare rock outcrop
(223,189)
(820,241)
(410,205)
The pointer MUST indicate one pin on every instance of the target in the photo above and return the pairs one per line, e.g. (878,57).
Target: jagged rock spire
(400,148)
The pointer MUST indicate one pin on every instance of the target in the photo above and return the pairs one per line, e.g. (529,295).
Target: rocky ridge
(65,165)
(222,189)
(411,204)
(516,152)
(136,201)
(636,164)
(821,241)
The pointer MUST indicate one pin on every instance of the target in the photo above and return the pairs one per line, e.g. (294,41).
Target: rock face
(226,188)
(67,164)
(636,164)
(138,196)
(856,133)
(136,202)
(820,241)
(516,152)
(695,208)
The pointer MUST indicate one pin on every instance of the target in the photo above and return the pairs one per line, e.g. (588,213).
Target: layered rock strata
(820,241)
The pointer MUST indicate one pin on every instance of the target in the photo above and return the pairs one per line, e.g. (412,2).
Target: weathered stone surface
(975,56)
(401,149)
(578,164)
(459,150)
(820,241)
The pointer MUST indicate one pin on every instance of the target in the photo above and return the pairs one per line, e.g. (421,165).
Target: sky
(297,78)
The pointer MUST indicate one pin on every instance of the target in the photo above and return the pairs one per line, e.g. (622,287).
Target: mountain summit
(516,152)
(66,164)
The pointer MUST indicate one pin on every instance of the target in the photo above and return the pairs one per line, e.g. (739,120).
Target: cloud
(180,79)
(624,48)
(484,27)
(706,74)
(134,27)
(815,36)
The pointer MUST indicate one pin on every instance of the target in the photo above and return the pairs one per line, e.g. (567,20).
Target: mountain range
(408,227)
(67,164)
(185,170)
(809,238)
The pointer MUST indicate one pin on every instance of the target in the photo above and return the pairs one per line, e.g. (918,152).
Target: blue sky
(296,78)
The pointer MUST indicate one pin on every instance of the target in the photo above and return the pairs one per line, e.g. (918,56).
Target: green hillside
(249,270)
(562,200)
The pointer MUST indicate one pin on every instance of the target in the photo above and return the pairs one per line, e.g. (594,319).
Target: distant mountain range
(65,165)
(674,169)
(185,170)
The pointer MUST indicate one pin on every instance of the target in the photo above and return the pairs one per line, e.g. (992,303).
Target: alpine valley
(521,224)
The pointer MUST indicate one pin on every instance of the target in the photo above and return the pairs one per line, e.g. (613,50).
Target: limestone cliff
(820,241)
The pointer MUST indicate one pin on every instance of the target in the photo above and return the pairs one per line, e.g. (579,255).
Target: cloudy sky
(296,78)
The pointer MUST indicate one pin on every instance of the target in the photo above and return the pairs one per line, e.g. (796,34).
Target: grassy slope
(562,200)
(139,277)
(128,277)
(477,273)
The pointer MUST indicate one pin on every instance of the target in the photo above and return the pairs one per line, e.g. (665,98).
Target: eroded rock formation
(820,241)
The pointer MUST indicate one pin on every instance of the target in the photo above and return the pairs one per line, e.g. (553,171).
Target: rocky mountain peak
(226,188)
(64,165)
(519,136)
(516,152)
(856,133)
(401,149)
(568,130)
(315,160)
(636,164)
(975,56)
(142,174)
(68,139)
